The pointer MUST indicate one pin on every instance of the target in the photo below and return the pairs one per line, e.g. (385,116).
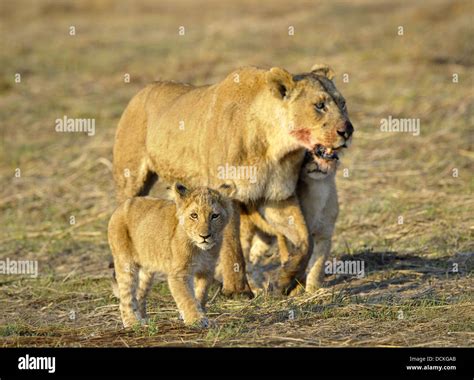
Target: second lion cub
(180,239)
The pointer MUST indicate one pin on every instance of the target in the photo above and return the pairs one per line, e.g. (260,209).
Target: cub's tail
(114,284)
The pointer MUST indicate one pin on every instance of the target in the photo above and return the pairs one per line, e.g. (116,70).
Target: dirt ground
(406,200)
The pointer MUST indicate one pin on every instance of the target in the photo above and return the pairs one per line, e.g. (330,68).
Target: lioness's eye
(214,216)
(320,106)
(194,216)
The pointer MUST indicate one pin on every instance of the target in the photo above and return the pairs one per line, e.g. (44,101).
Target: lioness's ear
(324,70)
(180,191)
(227,190)
(280,82)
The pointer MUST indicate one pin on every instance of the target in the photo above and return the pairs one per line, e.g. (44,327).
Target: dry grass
(390,174)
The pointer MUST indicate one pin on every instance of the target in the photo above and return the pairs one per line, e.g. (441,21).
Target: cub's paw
(140,319)
(202,323)
(131,323)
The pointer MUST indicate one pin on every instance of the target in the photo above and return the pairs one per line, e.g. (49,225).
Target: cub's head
(312,109)
(203,213)
(315,168)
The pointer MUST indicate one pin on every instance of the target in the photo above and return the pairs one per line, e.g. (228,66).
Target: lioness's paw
(297,291)
(311,289)
(238,292)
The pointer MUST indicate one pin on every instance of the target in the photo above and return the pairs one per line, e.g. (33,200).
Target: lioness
(317,193)
(182,240)
(254,118)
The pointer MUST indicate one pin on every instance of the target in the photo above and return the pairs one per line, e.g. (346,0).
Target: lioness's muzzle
(346,131)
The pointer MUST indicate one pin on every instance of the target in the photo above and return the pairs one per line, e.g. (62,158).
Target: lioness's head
(313,111)
(203,213)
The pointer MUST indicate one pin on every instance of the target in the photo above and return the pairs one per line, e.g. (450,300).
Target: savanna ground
(411,294)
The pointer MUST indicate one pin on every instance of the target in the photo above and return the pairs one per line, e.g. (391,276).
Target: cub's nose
(205,236)
(347,131)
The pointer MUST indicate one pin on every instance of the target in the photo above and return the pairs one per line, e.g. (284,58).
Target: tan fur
(249,223)
(317,194)
(318,197)
(253,118)
(182,240)
(320,206)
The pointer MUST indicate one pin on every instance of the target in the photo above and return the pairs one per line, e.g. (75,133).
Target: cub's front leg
(202,282)
(181,288)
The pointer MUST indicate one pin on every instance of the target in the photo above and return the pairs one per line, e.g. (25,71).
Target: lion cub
(180,239)
(317,193)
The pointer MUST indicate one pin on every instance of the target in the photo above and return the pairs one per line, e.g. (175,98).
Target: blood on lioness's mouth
(325,153)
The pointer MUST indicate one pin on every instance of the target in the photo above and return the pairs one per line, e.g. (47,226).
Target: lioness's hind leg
(145,281)
(247,232)
(231,259)
(133,172)
(136,182)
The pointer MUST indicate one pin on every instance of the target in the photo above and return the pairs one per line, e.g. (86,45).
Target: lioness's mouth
(325,153)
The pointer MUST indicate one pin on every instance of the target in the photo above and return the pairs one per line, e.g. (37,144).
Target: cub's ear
(180,191)
(280,82)
(324,70)
(227,189)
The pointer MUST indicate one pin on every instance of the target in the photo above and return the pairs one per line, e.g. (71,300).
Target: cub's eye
(320,106)
(214,216)
(194,216)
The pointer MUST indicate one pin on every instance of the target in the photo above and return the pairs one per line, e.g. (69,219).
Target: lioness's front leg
(181,288)
(286,217)
(232,260)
